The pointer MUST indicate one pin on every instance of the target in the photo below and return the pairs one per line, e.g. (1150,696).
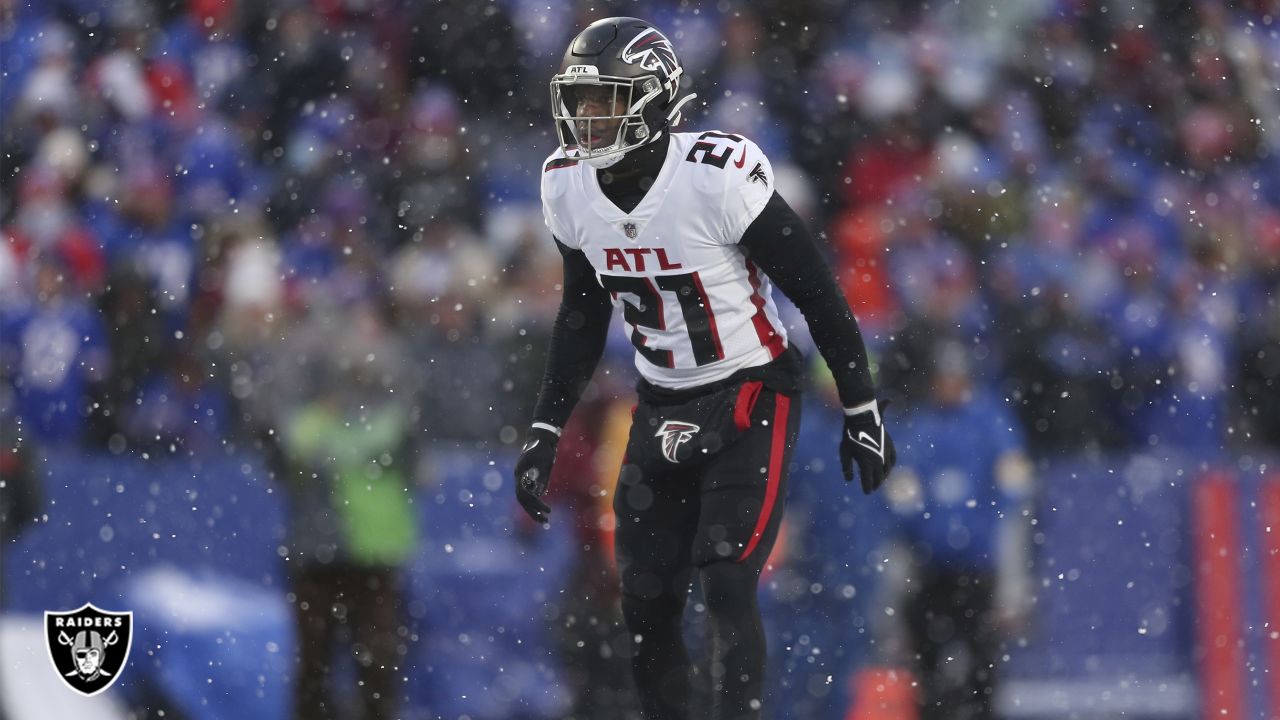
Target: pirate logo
(88,646)
(675,433)
(629,229)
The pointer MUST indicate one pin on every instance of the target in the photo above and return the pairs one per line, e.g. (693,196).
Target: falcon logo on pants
(674,433)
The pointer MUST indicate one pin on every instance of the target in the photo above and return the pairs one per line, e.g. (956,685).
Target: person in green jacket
(353,523)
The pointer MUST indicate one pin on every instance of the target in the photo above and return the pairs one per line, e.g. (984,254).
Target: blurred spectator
(962,497)
(306,65)
(46,220)
(20,493)
(352,526)
(823,574)
(1259,348)
(142,229)
(182,408)
(433,164)
(473,48)
(446,296)
(137,343)
(53,349)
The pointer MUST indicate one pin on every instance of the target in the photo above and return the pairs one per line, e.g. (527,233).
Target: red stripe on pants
(1218,598)
(776,452)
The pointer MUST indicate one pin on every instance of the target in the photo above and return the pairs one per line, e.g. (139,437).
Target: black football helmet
(617,89)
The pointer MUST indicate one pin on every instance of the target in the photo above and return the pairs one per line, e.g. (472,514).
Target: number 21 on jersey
(643,307)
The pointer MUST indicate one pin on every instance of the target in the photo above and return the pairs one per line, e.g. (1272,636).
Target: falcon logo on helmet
(652,51)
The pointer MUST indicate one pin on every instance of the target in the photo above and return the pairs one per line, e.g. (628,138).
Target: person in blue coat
(52,351)
(961,499)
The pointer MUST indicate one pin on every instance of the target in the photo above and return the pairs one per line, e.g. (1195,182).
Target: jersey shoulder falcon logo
(675,433)
(757,175)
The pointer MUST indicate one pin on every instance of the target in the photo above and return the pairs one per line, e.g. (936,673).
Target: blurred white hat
(64,151)
(49,89)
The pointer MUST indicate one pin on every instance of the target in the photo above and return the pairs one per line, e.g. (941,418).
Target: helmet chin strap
(600,163)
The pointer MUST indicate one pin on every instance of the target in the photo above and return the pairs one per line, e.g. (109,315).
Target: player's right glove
(866,443)
(533,469)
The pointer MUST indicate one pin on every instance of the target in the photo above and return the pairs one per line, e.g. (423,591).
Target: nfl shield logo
(88,647)
(629,229)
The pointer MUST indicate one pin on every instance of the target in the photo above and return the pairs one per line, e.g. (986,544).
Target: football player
(686,234)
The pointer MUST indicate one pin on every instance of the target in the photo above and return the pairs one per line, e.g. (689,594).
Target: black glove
(533,470)
(865,442)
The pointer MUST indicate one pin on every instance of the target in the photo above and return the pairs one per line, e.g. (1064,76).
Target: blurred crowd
(1084,194)
(263,224)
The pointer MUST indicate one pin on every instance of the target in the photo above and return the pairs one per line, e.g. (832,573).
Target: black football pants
(705,503)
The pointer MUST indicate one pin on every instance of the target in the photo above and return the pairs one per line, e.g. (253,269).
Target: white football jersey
(696,309)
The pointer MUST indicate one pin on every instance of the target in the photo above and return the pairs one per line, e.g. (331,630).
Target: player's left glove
(533,470)
(866,443)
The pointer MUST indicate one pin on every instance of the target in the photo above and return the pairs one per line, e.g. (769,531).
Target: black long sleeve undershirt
(778,241)
(577,339)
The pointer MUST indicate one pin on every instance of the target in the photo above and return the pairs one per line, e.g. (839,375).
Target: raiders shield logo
(629,229)
(88,647)
(675,433)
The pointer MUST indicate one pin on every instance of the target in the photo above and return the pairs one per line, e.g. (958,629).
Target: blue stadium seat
(484,590)
(121,529)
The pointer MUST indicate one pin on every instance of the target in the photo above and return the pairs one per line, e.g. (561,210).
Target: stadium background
(215,213)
